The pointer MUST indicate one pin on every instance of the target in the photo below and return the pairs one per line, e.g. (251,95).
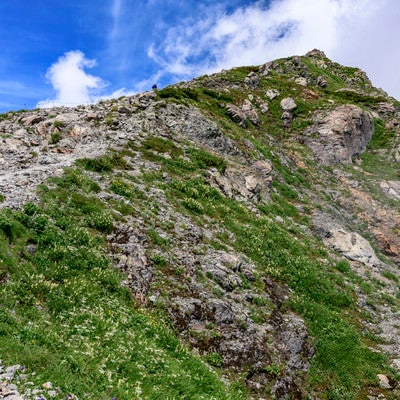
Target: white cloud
(370,43)
(353,32)
(72,84)
(116,8)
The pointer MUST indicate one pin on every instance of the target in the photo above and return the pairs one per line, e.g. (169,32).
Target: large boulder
(349,244)
(340,135)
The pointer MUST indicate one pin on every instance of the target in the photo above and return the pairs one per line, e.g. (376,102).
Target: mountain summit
(231,237)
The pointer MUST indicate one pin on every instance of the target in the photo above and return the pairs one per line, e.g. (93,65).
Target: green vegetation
(214,359)
(55,137)
(359,98)
(342,359)
(65,316)
(178,93)
(64,313)
(104,163)
(382,138)
(59,124)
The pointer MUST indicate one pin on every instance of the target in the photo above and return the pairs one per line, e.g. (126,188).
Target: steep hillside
(231,237)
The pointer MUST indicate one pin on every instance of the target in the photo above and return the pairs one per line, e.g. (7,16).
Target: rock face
(251,183)
(243,114)
(350,244)
(223,324)
(392,188)
(128,249)
(340,135)
(252,80)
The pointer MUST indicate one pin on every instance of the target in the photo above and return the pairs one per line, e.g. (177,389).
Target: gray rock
(91,116)
(252,80)
(288,104)
(322,82)
(16,396)
(266,68)
(287,118)
(315,53)
(245,183)
(384,381)
(128,247)
(243,114)
(222,268)
(13,369)
(391,188)
(237,115)
(143,100)
(350,244)
(301,81)
(340,135)
(272,93)
(32,119)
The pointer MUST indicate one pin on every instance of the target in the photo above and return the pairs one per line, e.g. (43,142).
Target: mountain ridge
(254,212)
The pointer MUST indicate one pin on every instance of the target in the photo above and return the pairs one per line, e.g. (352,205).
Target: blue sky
(78,51)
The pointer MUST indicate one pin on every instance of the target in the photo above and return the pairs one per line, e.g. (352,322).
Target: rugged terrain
(231,237)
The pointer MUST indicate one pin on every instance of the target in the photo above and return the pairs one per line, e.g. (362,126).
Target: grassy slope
(65,316)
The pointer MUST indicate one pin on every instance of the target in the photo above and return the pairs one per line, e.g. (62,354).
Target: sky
(73,52)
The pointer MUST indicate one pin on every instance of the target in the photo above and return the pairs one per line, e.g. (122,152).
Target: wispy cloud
(11,87)
(116,7)
(265,30)
(72,84)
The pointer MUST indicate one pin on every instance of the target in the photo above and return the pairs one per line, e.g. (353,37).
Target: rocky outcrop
(39,144)
(349,244)
(391,188)
(246,112)
(244,183)
(128,250)
(252,80)
(340,135)
(221,319)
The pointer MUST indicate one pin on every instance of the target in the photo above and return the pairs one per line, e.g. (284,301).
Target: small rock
(301,81)
(124,110)
(247,106)
(48,385)
(13,369)
(384,381)
(252,80)
(264,167)
(91,116)
(32,120)
(15,397)
(265,68)
(237,115)
(287,118)
(288,104)
(12,387)
(263,107)
(322,82)
(272,94)
(251,183)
